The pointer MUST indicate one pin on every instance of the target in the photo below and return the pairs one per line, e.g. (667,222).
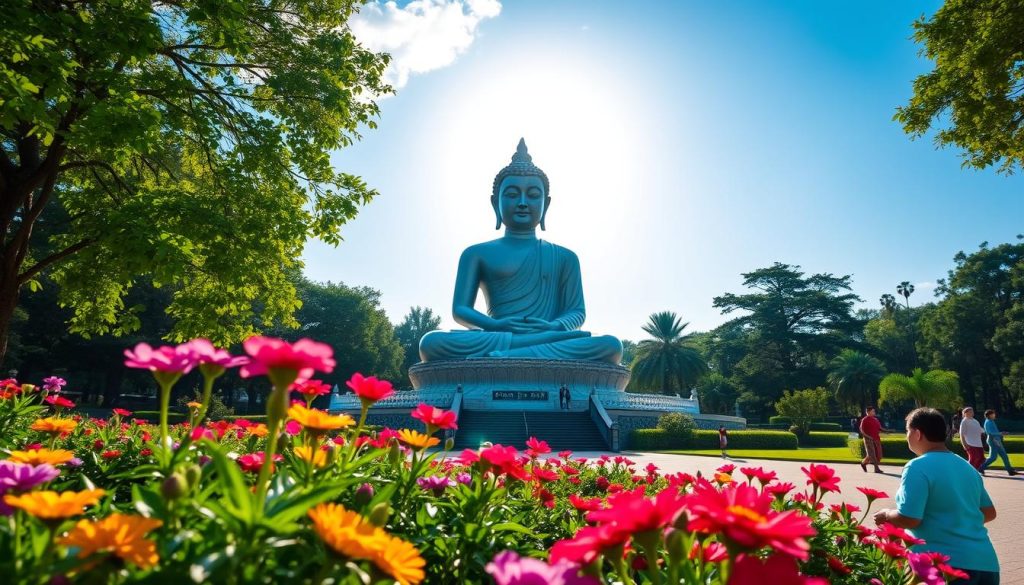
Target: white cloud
(423,35)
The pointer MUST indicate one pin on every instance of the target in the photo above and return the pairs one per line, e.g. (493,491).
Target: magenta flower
(311,388)
(270,354)
(53,384)
(369,390)
(206,353)
(926,570)
(59,401)
(177,360)
(508,568)
(434,418)
(435,483)
(21,477)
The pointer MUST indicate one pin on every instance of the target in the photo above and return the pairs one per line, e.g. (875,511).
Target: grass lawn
(819,455)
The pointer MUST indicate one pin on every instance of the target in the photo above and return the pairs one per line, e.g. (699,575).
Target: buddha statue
(532,288)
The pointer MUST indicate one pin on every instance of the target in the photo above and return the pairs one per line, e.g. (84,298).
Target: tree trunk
(9,288)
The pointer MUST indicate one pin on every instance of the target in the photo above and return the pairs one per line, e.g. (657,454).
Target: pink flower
(369,390)
(435,417)
(270,353)
(712,552)
(53,384)
(588,543)
(292,427)
(311,388)
(537,447)
(631,512)
(777,569)
(252,462)
(763,477)
(206,353)
(872,494)
(176,360)
(821,476)
(508,568)
(584,504)
(435,483)
(59,401)
(926,570)
(122,412)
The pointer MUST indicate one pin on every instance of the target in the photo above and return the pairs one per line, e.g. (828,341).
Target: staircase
(562,430)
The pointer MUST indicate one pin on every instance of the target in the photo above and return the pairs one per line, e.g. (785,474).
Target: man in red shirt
(871,430)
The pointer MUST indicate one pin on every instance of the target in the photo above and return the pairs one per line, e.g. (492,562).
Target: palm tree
(854,377)
(905,289)
(935,388)
(888,303)
(666,362)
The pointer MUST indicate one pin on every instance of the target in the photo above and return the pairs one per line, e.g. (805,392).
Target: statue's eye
(533,193)
(512,193)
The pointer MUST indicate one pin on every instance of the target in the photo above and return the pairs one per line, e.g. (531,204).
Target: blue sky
(686,143)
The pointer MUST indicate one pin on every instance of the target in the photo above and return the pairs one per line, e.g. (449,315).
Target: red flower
(840,509)
(435,417)
(537,447)
(111,454)
(587,545)
(570,470)
(369,390)
(272,354)
(311,388)
(822,477)
(777,570)
(893,548)
(469,457)
(146,452)
(584,504)
(59,401)
(565,454)
(252,462)
(651,469)
(712,552)
(122,412)
(872,494)
(745,517)
(499,456)
(165,358)
(631,512)
(893,533)
(541,474)
(838,566)
(763,477)
(602,482)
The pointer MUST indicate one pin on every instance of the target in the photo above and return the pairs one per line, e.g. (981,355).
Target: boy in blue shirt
(995,444)
(942,500)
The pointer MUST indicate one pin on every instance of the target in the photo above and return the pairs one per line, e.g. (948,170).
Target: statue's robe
(547,285)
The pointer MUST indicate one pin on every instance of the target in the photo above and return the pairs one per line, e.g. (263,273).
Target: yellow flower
(41,456)
(258,430)
(417,440)
(349,534)
(318,420)
(194,404)
(49,505)
(56,426)
(723,478)
(120,534)
(317,457)
(401,560)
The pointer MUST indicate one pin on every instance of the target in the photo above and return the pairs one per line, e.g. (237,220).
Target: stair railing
(526,425)
(457,409)
(608,428)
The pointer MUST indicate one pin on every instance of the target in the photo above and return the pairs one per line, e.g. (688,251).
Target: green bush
(677,424)
(655,439)
(746,440)
(784,422)
(803,407)
(896,446)
(824,439)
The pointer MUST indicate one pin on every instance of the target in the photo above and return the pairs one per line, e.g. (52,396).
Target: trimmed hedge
(702,439)
(894,446)
(784,422)
(824,439)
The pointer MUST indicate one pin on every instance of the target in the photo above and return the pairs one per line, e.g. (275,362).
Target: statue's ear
(497,212)
(547,204)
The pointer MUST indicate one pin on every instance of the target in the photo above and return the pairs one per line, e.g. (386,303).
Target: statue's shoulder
(563,252)
(480,250)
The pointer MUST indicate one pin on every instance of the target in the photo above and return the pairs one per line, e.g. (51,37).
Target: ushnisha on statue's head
(520,195)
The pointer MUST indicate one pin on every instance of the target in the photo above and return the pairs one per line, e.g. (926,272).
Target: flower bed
(310,497)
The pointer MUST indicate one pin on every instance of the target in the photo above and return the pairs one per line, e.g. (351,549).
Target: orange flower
(49,505)
(122,535)
(194,404)
(349,534)
(317,420)
(258,430)
(53,425)
(317,457)
(41,456)
(417,440)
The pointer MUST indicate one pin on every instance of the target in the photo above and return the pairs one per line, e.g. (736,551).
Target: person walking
(561,397)
(568,398)
(970,438)
(996,448)
(871,430)
(723,440)
(941,502)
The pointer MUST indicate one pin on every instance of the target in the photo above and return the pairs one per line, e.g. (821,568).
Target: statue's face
(521,201)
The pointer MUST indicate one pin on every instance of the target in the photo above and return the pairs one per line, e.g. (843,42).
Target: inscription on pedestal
(533,395)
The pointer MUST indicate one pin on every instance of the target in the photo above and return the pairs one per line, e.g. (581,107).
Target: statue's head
(520,194)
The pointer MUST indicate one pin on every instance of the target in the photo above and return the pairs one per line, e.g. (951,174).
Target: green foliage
(217,410)
(717,394)
(666,363)
(973,97)
(410,331)
(936,388)
(647,439)
(678,424)
(891,336)
(854,377)
(791,324)
(803,407)
(814,426)
(186,141)
(656,439)
(824,439)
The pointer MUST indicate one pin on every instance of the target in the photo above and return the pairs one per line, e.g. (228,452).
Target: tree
(854,377)
(977,84)
(410,331)
(188,141)
(792,325)
(803,407)
(905,289)
(936,388)
(628,352)
(889,338)
(888,303)
(717,394)
(666,362)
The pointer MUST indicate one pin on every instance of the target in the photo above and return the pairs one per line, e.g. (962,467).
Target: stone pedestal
(518,384)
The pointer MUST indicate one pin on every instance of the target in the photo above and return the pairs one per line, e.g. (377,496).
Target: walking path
(1007,494)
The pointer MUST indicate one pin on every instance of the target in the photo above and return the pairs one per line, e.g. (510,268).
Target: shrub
(803,407)
(896,446)
(746,440)
(784,422)
(678,424)
(654,439)
(824,439)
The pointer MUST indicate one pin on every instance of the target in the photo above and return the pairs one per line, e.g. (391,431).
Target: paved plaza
(1007,494)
